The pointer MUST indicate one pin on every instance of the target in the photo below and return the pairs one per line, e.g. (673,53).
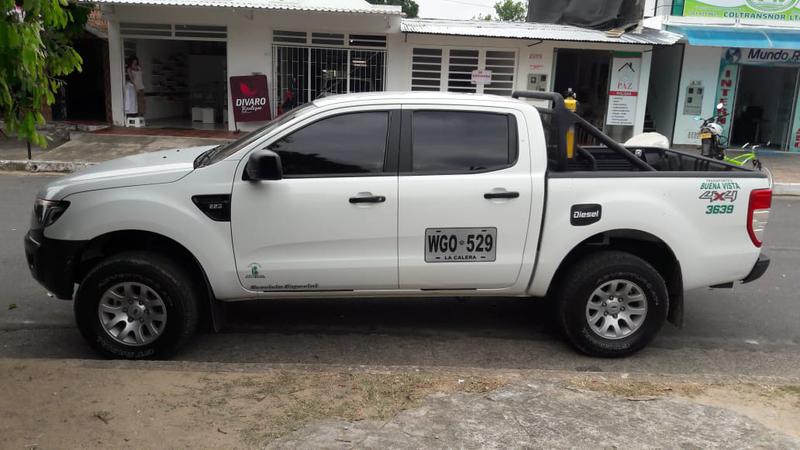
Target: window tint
(459,141)
(346,144)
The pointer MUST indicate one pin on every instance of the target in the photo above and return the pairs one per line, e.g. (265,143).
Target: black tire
(172,284)
(593,272)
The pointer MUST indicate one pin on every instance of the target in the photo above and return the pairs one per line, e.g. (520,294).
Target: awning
(533,31)
(743,37)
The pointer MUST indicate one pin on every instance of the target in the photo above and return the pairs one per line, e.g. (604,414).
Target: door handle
(502,194)
(367,199)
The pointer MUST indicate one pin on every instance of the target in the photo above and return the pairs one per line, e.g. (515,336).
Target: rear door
(465,198)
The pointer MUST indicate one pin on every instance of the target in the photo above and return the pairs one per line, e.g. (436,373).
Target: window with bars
(328,39)
(443,69)
(303,74)
(156,30)
(426,69)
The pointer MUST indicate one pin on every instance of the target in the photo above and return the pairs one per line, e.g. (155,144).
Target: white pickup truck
(399,195)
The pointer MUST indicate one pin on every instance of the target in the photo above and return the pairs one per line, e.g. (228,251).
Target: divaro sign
(250,98)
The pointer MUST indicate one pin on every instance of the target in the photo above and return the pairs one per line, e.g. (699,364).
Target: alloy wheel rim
(132,313)
(616,309)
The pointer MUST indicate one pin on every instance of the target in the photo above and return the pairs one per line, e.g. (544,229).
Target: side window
(349,144)
(462,141)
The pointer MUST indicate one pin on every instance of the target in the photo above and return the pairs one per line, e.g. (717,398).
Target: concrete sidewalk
(549,414)
(85,149)
(180,404)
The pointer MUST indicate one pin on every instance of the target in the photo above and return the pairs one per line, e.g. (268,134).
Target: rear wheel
(137,305)
(612,304)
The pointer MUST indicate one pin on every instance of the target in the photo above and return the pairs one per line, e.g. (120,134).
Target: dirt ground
(74,404)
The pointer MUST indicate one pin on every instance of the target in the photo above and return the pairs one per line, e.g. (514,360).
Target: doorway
(185,82)
(587,73)
(83,95)
(763,107)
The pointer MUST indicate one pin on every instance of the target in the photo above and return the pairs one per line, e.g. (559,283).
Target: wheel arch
(641,244)
(119,241)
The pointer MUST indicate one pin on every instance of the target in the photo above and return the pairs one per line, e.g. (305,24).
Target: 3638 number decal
(719,209)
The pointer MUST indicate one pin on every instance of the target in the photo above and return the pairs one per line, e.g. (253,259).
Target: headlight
(46,212)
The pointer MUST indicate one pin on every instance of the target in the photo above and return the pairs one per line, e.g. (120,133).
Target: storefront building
(193,54)
(189,50)
(744,54)
(610,75)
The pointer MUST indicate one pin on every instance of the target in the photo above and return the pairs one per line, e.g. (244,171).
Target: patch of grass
(793,390)
(637,389)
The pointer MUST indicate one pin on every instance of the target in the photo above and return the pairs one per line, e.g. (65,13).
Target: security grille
(443,69)
(503,65)
(303,74)
(329,39)
(459,71)
(426,69)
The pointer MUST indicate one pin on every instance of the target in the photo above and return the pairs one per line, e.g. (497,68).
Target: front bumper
(759,268)
(53,262)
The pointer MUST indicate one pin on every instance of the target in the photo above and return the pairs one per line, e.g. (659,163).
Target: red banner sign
(250,98)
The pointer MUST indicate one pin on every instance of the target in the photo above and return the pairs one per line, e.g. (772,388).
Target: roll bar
(561,121)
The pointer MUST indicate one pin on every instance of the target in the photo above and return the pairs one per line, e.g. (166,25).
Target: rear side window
(349,144)
(462,142)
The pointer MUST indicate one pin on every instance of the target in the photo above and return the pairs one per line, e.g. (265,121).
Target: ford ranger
(399,195)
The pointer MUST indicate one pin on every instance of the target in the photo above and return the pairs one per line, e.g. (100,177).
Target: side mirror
(263,165)
(720,106)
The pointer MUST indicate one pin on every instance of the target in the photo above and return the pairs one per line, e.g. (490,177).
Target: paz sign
(788,10)
(623,90)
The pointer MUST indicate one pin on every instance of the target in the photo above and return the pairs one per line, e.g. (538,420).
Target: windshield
(223,151)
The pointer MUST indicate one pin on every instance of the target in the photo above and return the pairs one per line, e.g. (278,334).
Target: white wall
(699,64)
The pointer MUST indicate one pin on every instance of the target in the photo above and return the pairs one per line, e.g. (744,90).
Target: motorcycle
(713,145)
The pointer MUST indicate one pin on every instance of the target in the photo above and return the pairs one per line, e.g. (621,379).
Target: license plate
(705,135)
(460,245)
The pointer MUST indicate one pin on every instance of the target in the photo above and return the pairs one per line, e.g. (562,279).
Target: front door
(331,222)
(465,199)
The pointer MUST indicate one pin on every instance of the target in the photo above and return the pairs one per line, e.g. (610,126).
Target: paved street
(750,330)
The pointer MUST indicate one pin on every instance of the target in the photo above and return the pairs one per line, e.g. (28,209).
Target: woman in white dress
(134,73)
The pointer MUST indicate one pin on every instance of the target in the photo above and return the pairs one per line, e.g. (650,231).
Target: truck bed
(603,159)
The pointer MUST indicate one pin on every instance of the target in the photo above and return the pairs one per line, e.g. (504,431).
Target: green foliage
(511,10)
(410,7)
(35,54)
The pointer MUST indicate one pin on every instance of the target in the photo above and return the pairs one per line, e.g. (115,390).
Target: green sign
(744,9)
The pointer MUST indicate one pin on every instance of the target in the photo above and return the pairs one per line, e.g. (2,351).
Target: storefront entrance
(759,91)
(764,104)
(586,72)
(183,72)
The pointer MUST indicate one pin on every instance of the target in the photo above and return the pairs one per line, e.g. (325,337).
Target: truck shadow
(475,332)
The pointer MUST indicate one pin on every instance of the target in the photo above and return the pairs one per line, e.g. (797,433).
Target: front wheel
(137,305)
(612,304)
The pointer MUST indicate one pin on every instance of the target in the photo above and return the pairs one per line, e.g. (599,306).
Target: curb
(786,189)
(42,166)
